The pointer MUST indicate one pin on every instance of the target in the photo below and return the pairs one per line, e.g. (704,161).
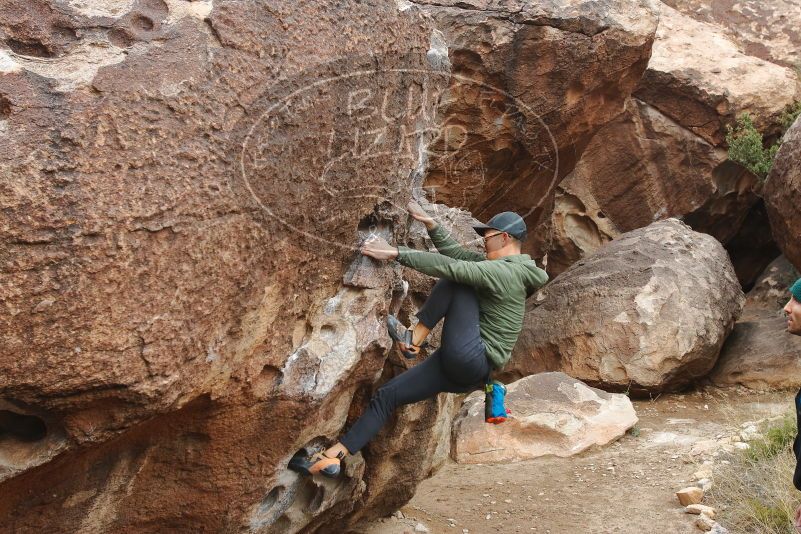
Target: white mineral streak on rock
(438,52)
(75,69)
(101,8)
(622,317)
(341,332)
(178,9)
(649,301)
(7,63)
(181,8)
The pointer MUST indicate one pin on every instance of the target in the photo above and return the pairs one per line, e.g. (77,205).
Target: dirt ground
(625,487)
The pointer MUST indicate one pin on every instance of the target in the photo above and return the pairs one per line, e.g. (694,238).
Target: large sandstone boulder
(760,354)
(181,199)
(643,167)
(771,290)
(647,312)
(782,194)
(532,82)
(767,30)
(551,414)
(665,155)
(701,79)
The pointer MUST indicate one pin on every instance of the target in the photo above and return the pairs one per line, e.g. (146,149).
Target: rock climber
(793,312)
(482,301)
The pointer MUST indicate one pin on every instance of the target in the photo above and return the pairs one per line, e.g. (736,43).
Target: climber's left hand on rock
(377,247)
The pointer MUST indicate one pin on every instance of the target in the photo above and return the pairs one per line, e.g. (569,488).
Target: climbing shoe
(495,411)
(317,463)
(401,334)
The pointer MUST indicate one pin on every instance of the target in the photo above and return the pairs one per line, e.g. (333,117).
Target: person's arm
(450,247)
(472,273)
(478,274)
(442,240)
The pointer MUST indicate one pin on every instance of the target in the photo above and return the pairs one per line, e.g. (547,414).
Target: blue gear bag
(495,411)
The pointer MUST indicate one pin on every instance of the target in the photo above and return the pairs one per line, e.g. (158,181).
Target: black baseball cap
(507,221)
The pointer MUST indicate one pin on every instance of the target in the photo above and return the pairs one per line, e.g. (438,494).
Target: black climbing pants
(458,366)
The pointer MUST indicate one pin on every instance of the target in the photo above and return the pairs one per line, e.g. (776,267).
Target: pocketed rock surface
(175,323)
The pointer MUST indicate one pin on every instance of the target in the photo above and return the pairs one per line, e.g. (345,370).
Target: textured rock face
(578,224)
(532,82)
(752,249)
(782,194)
(182,306)
(173,238)
(643,167)
(664,156)
(552,414)
(460,225)
(698,77)
(767,30)
(770,292)
(760,354)
(648,311)
(133,219)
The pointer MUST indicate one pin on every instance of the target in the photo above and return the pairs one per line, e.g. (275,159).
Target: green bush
(755,492)
(747,148)
(790,114)
(773,517)
(777,439)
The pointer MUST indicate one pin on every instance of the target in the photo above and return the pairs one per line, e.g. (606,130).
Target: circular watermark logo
(351,138)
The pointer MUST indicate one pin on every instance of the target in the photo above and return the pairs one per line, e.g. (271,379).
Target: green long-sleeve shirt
(501,285)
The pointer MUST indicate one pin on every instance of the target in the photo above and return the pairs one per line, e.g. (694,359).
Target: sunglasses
(486,237)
